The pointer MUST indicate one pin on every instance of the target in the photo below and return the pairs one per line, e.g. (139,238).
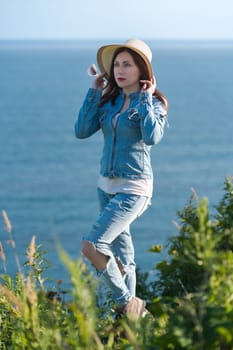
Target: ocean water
(48,178)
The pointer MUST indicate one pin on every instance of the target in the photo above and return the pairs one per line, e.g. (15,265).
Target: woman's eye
(125,64)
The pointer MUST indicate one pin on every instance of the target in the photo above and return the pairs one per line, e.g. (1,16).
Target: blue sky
(107,19)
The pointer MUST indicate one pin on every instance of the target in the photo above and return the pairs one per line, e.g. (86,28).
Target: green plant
(191,300)
(224,217)
(195,284)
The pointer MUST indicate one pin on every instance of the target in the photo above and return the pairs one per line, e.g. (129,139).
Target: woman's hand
(99,83)
(148,85)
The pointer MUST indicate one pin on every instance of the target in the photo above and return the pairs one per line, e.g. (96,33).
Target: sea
(48,178)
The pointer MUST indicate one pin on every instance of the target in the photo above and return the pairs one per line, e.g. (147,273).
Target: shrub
(191,300)
(195,284)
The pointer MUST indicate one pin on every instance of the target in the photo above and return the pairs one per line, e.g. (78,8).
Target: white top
(141,187)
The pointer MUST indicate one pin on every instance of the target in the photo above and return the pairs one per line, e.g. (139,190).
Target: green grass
(190,301)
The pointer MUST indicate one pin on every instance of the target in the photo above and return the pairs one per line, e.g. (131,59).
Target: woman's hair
(112,90)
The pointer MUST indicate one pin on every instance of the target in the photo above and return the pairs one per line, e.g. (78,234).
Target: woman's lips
(121,79)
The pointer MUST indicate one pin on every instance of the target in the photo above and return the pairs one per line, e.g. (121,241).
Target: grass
(190,302)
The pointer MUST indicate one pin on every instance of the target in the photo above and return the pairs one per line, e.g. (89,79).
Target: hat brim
(105,55)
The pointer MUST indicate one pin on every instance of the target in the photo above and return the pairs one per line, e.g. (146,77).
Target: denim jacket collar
(132,95)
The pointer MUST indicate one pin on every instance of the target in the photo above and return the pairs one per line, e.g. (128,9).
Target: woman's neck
(126,104)
(131,90)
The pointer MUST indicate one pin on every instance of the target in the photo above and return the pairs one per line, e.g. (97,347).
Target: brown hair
(112,90)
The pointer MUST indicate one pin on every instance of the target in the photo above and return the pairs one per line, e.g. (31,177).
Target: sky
(107,19)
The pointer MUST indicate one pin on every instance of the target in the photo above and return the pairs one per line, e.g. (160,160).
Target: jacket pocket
(133,118)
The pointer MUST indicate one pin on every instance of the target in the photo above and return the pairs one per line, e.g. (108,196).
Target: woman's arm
(88,122)
(153,117)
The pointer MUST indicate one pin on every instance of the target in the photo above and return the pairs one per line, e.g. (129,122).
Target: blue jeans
(111,236)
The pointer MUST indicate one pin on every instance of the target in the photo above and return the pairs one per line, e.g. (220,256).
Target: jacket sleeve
(153,117)
(87,122)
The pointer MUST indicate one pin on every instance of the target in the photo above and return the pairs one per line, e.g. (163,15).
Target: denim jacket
(126,151)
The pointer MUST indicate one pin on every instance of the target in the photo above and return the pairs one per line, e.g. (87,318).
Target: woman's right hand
(99,83)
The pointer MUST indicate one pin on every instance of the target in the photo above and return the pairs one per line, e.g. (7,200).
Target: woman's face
(126,73)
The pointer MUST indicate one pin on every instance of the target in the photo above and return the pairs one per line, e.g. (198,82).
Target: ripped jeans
(111,236)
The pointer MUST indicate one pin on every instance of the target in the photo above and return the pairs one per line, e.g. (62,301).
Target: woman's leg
(119,213)
(123,250)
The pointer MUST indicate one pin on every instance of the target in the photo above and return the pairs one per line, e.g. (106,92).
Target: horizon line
(114,39)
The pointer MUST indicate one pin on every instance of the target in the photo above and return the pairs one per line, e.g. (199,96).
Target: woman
(125,104)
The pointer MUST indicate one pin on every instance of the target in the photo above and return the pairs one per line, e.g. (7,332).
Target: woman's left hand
(148,85)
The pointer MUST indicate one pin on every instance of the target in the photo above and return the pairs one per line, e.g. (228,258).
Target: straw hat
(105,54)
